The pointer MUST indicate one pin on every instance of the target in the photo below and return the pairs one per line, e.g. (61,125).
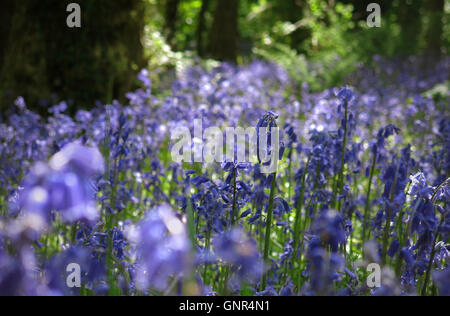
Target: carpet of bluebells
(363,178)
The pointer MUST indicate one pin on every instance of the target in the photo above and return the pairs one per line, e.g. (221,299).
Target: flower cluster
(362,179)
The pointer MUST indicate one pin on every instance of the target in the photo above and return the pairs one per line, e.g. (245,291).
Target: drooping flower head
(65,185)
(442,280)
(345,94)
(234,247)
(82,160)
(162,249)
(267,132)
(329,227)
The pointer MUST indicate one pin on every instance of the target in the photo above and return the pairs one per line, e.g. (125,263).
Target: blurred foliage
(320,42)
(327,57)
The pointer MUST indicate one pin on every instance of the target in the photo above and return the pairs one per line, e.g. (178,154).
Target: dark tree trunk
(201,26)
(23,72)
(171,14)
(95,62)
(6,11)
(224,31)
(410,22)
(434,31)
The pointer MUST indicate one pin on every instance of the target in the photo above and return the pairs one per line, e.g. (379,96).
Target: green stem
(369,189)
(225,281)
(268,228)
(207,245)
(436,237)
(289,176)
(387,229)
(398,265)
(191,222)
(109,221)
(344,145)
(235,210)
(430,262)
(298,214)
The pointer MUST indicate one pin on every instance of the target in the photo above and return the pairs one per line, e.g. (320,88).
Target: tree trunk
(411,26)
(6,11)
(224,31)
(23,72)
(88,64)
(201,28)
(171,14)
(434,32)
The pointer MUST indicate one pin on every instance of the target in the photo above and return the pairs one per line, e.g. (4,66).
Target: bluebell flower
(269,291)
(235,248)
(345,94)
(419,186)
(324,269)
(162,249)
(19,275)
(268,122)
(65,185)
(441,279)
(330,228)
(287,290)
(56,269)
(393,249)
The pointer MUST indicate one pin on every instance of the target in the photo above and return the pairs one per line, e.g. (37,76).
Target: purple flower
(65,185)
(330,228)
(268,122)
(83,161)
(345,94)
(442,280)
(19,275)
(323,267)
(419,186)
(162,249)
(144,78)
(234,247)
